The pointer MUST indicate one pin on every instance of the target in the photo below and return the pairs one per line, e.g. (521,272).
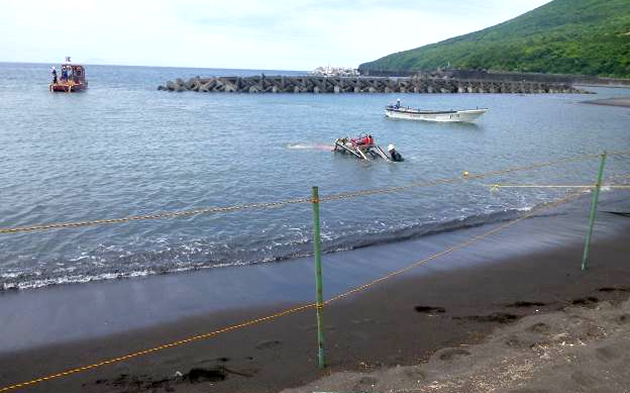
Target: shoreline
(400,322)
(115,306)
(616,101)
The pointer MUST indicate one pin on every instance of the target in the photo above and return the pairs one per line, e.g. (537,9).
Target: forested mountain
(588,37)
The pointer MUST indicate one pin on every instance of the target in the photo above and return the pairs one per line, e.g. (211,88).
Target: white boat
(407,113)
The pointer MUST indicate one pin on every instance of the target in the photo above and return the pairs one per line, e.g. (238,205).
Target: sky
(251,34)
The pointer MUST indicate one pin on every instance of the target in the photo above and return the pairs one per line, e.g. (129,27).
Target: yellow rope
(187,213)
(455,247)
(612,187)
(623,176)
(286,311)
(537,186)
(155,216)
(278,204)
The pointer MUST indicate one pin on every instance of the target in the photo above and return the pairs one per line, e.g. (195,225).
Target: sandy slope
(583,348)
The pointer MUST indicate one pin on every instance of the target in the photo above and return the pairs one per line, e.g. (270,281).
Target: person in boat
(64,74)
(53,71)
(364,142)
(360,140)
(395,156)
(397,106)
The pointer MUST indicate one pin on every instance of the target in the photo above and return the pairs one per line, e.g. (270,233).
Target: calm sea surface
(123,148)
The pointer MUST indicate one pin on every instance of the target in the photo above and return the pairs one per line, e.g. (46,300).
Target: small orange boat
(72,78)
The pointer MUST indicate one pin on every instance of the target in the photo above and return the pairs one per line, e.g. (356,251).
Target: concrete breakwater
(320,84)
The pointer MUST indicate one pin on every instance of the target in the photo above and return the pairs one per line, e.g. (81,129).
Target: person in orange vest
(361,140)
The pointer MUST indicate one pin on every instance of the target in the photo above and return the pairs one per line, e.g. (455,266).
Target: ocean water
(122,148)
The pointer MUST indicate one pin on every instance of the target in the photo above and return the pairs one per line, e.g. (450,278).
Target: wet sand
(403,321)
(619,101)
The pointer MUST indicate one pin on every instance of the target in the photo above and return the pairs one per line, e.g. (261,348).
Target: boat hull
(67,87)
(439,116)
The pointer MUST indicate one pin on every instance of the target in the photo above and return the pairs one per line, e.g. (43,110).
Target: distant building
(335,71)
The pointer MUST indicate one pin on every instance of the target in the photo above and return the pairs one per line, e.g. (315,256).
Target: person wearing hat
(53,71)
(395,156)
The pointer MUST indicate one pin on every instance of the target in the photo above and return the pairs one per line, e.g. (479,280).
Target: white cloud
(241,34)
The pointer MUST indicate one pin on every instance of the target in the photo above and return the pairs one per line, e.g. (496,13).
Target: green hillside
(589,37)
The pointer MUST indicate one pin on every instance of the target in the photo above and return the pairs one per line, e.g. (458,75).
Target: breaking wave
(115,262)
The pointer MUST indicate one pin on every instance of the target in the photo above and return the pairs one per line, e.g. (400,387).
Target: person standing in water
(395,156)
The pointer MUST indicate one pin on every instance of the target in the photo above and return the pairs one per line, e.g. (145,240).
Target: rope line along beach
(156,216)
(624,177)
(283,203)
(278,204)
(609,186)
(289,311)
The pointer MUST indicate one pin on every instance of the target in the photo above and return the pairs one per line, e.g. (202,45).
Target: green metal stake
(587,244)
(318,279)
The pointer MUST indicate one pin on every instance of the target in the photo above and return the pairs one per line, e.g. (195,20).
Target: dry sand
(583,348)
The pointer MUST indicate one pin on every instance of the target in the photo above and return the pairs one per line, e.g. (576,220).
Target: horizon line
(152,66)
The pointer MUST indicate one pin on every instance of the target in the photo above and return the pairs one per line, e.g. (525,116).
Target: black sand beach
(619,101)
(457,300)
(582,348)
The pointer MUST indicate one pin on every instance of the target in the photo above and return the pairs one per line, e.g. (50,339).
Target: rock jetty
(322,84)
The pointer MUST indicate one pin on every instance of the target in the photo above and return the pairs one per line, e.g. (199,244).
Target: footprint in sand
(365,382)
(612,289)
(524,342)
(199,374)
(430,310)
(539,327)
(608,353)
(215,360)
(268,344)
(584,378)
(452,353)
(524,304)
(496,318)
(585,301)
(623,319)
(416,374)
